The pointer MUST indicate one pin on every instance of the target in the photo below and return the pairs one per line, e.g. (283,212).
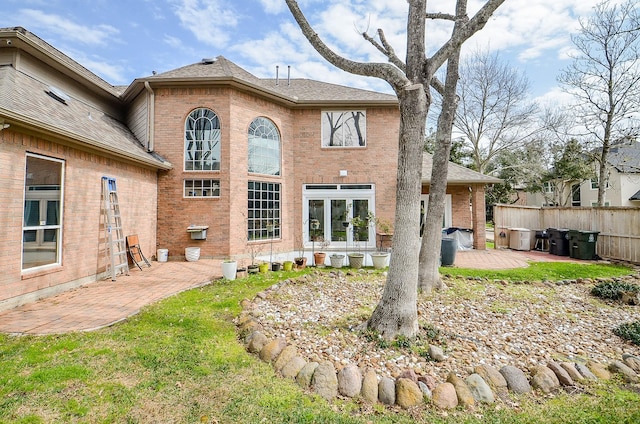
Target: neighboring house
(206,145)
(623,185)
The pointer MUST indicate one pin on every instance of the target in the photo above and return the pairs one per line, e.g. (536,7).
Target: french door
(330,208)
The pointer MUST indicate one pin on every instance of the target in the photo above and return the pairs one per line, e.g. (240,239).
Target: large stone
(563,376)
(516,379)
(444,396)
(306,374)
(325,381)
(465,397)
(257,341)
(350,381)
(631,361)
(479,388)
(410,374)
(599,370)
(571,369)
(293,367)
(628,374)
(544,379)
(369,390)
(250,326)
(585,372)
(271,350)
(436,353)
(284,357)
(387,391)
(492,377)
(408,393)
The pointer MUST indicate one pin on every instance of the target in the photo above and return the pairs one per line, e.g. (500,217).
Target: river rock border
(485,385)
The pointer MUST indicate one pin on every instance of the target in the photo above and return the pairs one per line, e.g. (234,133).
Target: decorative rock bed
(272,327)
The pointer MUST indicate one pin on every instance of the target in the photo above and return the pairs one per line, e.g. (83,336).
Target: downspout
(150,116)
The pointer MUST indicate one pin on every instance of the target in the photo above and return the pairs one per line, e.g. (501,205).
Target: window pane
(338,216)
(316,219)
(361,209)
(344,128)
(201,188)
(263,216)
(264,147)
(42,212)
(202,141)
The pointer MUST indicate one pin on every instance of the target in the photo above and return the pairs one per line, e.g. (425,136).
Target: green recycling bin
(448,249)
(583,244)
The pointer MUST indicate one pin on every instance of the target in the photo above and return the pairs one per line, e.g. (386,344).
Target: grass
(180,361)
(540,271)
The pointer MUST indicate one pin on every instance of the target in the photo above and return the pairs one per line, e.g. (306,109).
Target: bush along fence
(485,385)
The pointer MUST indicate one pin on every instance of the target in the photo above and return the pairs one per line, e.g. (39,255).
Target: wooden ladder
(116,249)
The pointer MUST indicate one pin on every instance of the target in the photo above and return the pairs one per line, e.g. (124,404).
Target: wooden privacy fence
(618,227)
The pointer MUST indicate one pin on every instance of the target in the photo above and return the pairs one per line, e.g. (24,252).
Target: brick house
(206,146)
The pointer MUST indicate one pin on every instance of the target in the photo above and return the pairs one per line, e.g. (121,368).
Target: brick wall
(303,161)
(83,255)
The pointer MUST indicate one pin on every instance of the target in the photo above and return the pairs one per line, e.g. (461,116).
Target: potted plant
(229,269)
(336,260)
(264,267)
(287,265)
(300,260)
(253,252)
(359,225)
(384,229)
(319,257)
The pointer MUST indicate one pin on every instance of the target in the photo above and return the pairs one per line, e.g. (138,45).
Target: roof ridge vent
(208,60)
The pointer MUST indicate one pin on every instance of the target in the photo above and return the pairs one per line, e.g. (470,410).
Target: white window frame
(264,136)
(201,191)
(448,209)
(346,129)
(190,145)
(327,193)
(268,215)
(43,195)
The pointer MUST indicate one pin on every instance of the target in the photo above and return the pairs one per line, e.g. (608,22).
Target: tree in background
(495,113)
(396,314)
(604,79)
(571,166)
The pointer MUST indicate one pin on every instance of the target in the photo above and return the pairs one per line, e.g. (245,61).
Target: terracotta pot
(319,258)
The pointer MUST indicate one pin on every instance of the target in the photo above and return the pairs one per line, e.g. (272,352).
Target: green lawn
(180,361)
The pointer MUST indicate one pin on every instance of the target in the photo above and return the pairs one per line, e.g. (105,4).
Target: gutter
(151,99)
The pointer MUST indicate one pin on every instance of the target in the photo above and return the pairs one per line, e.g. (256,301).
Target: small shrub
(613,289)
(629,331)
(403,342)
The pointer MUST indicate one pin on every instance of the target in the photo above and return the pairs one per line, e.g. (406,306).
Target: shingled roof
(456,174)
(26,101)
(296,91)
(625,158)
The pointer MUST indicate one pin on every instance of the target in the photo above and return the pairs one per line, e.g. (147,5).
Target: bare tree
(604,78)
(396,314)
(495,113)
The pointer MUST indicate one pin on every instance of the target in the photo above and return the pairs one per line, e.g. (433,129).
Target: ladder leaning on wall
(116,249)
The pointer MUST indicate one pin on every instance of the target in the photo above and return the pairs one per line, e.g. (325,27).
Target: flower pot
(356,259)
(301,262)
(319,258)
(379,259)
(287,265)
(275,266)
(252,269)
(264,267)
(229,269)
(336,261)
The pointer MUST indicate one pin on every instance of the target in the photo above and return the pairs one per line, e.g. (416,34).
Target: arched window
(264,147)
(202,141)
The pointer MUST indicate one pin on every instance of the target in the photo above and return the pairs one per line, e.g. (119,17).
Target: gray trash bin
(448,249)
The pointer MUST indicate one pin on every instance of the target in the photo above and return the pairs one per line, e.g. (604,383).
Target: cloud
(66,29)
(210,21)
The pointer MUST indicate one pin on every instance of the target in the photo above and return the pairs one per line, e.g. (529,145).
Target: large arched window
(264,147)
(202,141)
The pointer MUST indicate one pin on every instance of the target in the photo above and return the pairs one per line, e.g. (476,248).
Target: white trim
(448,210)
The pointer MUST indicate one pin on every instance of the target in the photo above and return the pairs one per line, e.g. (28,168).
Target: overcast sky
(121,40)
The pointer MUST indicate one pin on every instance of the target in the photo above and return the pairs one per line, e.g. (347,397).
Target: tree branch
(385,49)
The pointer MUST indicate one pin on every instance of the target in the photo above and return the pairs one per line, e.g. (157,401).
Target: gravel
(478,322)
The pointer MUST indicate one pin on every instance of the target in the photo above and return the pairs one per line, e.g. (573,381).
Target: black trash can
(448,249)
(583,244)
(558,241)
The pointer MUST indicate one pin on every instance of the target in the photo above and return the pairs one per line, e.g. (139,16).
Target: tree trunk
(429,274)
(397,314)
